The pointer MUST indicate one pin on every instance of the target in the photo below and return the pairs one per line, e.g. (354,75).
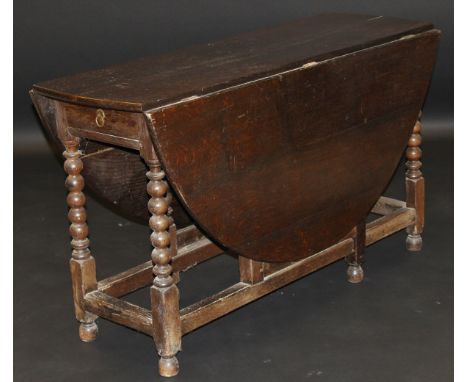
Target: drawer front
(114,123)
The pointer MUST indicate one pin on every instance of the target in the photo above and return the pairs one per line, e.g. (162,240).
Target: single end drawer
(104,121)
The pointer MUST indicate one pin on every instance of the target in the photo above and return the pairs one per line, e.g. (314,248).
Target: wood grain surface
(153,81)
(283,167)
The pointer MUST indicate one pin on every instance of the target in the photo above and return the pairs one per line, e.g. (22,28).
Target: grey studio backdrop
(54,38)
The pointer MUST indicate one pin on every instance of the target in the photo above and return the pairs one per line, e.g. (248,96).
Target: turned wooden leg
(355,272)
(415,188)
(82,264)
(164,292)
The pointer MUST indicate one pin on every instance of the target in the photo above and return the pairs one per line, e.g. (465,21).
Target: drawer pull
(100,117)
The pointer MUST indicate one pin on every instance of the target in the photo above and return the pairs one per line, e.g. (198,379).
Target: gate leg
(164,292)
(415,188)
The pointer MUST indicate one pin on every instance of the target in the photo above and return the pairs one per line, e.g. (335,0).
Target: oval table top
(153,81)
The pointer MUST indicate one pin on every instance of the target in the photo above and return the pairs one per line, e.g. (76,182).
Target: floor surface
(397,325)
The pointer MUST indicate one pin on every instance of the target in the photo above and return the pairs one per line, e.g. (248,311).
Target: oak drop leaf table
(273,145)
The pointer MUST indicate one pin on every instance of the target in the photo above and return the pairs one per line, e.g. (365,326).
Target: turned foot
(168,367)
(88,331)
(414,243)
(355,273)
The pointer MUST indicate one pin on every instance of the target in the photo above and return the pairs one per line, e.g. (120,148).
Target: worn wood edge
(389,224)
(141,275)
(138,106)
(312,62)
(232,298)
(386,205)
(88,101)
(119,311)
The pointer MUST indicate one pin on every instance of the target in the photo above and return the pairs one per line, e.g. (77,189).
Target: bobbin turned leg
(415,188)
(164,292)
(355,272)
(82,264)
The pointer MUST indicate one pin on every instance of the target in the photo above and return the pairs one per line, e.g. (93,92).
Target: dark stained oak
(153,81)
(282,168)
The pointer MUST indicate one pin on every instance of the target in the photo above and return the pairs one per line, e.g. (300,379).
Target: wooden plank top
(151,82)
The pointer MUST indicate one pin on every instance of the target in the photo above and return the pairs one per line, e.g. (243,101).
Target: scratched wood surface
(282,168)
(153,81)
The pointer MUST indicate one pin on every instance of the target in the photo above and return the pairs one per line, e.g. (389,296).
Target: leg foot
(88,331)
(168,367)
(414,243)
(355,273)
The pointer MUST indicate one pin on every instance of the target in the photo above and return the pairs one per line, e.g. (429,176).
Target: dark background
(395,326)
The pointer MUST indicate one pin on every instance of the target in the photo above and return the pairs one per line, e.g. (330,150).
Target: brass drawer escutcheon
(100,117)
